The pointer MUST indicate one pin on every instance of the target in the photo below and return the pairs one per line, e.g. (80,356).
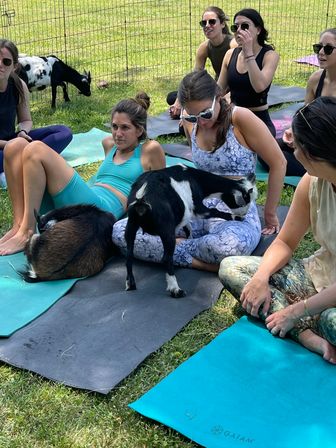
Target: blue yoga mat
(21,302)
(248,388)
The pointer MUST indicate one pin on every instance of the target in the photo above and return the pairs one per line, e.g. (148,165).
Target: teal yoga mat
(248,388)
(22,302)
(85,147)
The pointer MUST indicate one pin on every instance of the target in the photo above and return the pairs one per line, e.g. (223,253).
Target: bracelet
(249,56)
(306,310)
(23,130)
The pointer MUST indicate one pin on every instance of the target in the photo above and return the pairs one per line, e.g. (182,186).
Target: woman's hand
(272,224)
(175,110)
(281,321)
(255,294)
(245,38)
(288,137)
(24,134)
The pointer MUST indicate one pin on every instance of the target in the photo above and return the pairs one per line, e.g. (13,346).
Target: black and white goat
(74,241)
(164,201)
(40,72)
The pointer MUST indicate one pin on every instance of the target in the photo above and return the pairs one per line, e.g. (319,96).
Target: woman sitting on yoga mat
(33,168)
(247,71)
(225,141)
(299,296)
(321,83)
(219,41)
(14,107)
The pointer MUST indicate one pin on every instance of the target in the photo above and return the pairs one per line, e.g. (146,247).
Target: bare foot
(9,234)
(317,344)
(15,244)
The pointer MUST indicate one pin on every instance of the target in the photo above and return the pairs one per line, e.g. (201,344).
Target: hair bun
(142,99)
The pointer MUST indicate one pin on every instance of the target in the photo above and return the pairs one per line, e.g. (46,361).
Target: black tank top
(242,92)
(216,54)
(9,100)
(320,84)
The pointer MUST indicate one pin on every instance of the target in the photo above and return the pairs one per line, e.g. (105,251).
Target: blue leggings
(56,136)
(212,240)
(77,191)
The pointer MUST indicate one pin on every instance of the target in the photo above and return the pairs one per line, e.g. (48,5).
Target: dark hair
(11,47)
(199,85)
(314,129)
(223,18)
(136,109)
(258,21)
(329,30)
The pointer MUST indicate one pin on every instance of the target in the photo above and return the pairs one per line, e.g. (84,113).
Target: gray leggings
(290,284)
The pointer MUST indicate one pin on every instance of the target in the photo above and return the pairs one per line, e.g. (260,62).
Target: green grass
(38,413)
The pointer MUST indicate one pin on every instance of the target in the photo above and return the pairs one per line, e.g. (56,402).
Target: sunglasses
(205,115)
(7,62)
(328,49)
(211,22)
(243,26)
(300,112)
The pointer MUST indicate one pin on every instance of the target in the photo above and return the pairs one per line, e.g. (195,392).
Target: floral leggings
(290,284)
(212,240)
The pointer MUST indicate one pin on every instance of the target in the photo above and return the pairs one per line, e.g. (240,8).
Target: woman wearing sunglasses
(219,41)
(224,140)
(15,117)
(296,296)
(321,83)
(247,71)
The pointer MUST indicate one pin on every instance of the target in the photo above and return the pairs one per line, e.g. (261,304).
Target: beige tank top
(322,264)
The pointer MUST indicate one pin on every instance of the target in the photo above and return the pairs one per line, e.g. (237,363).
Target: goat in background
(163,201)
(74,241)
(40,72)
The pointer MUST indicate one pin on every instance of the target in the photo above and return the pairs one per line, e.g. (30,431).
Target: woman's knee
(14,147)
(327,325)
(36,151)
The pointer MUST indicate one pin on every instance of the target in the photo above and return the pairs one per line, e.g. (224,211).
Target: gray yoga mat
(281,94)
(99,333)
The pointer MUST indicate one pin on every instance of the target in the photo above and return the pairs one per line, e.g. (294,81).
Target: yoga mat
(282,94)
(22,302)
(248,388)
(85,147)
(309,60)
(99,333)
(282,118)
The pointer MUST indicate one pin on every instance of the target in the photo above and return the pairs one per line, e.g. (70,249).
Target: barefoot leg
(317,344)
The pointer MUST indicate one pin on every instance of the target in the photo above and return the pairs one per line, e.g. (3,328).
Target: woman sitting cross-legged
(224,140)
(299,296)
(33,168)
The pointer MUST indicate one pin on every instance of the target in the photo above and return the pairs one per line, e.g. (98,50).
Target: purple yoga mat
(310,60)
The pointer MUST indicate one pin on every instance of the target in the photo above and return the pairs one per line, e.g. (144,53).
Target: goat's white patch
(183,190)
(50,223)
(39,70)
(172,285)
(141,192)
(31,272)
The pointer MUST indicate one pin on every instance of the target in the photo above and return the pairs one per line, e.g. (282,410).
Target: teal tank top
(120,176)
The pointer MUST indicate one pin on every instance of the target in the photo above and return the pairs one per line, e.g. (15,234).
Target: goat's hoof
(130,286)
(178,293)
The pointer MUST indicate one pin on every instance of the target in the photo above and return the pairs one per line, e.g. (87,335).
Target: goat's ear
(38,218)
(89,76)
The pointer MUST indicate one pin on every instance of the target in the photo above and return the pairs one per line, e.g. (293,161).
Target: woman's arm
(201,56)
(24,119)
(258,138)
(256,293)
(312,86)
(152,156)
(284,320)
(107,144)
(222,79)
(261,79)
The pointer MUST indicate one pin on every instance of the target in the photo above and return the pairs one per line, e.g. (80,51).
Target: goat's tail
(140,206)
